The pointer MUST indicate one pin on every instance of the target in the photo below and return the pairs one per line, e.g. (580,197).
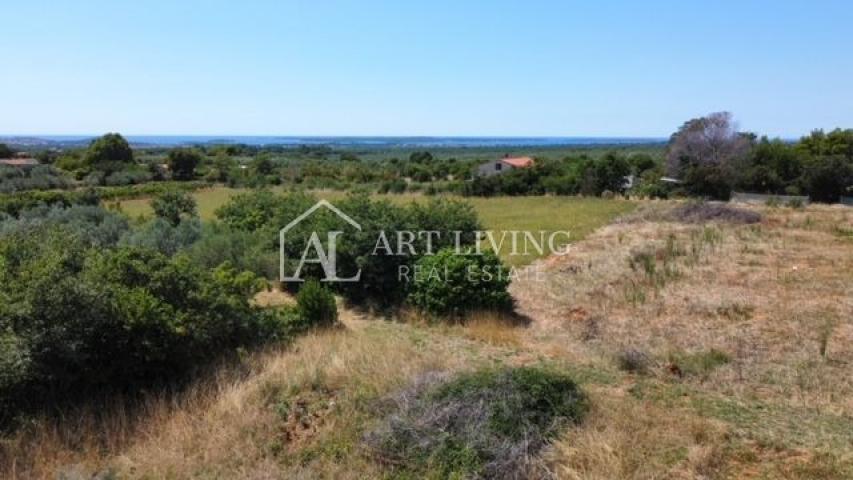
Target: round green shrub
(317,306)
(452,283)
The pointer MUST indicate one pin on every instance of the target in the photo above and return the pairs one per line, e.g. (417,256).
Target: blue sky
(532,68)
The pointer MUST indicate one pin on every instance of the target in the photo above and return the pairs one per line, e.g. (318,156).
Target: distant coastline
(334,141)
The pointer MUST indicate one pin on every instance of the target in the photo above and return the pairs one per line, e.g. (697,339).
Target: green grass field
(579,216)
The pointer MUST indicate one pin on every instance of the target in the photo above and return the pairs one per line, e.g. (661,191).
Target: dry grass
(494,329)
(638,440)
(761,314)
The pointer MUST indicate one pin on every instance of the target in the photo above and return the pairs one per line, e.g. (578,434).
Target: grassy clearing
(209,199)
(578,216)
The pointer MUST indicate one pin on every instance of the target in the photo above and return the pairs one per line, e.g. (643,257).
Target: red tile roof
(19,162)
(518,162)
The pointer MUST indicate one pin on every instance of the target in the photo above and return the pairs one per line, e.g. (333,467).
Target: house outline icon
(297,220)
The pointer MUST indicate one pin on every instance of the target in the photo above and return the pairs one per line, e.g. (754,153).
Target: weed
(825,331)
(735,311)
(699,364)
(633,360)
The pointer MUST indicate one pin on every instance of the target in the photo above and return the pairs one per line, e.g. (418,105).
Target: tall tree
(5,151)
(109,148)
(182,163)
(706,141)
(705,153)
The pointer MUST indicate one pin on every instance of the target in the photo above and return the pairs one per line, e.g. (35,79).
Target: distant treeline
(706,157)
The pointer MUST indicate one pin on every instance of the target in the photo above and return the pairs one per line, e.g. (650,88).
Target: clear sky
(527,68)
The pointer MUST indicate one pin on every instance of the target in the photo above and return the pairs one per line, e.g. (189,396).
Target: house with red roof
(19,162)
(503,165)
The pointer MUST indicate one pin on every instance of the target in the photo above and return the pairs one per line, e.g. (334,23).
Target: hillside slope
(719,350)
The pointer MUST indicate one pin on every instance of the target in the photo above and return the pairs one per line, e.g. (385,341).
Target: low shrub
(449,283)
(485,424)
(317,306)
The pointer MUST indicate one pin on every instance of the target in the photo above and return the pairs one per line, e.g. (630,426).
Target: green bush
(486,424)
(450,283)
(317,306)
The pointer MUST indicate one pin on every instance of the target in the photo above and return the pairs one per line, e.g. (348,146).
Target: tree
(5,151)
(110,148)
(420,157)
(828,177)
(711,140)
(263,165)
(610,173)
(836,142)
(182,163)
(705,152)
(173,206)
(221,168)
(640,162)
(772,166)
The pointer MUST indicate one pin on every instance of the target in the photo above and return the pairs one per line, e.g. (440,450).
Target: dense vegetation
(94,302)
(712,158)
(85,310)
(257,217)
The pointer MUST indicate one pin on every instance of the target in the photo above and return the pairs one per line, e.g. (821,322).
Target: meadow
(580,216)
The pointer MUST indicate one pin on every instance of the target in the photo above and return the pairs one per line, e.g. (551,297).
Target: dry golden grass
(776,299)
(638,440)
(494,329)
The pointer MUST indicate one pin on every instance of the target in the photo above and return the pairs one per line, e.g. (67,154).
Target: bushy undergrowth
(486,424)
(76,319)
(13,203)
(42,177)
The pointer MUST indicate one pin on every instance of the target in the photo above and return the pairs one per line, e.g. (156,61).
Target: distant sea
(332,141)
